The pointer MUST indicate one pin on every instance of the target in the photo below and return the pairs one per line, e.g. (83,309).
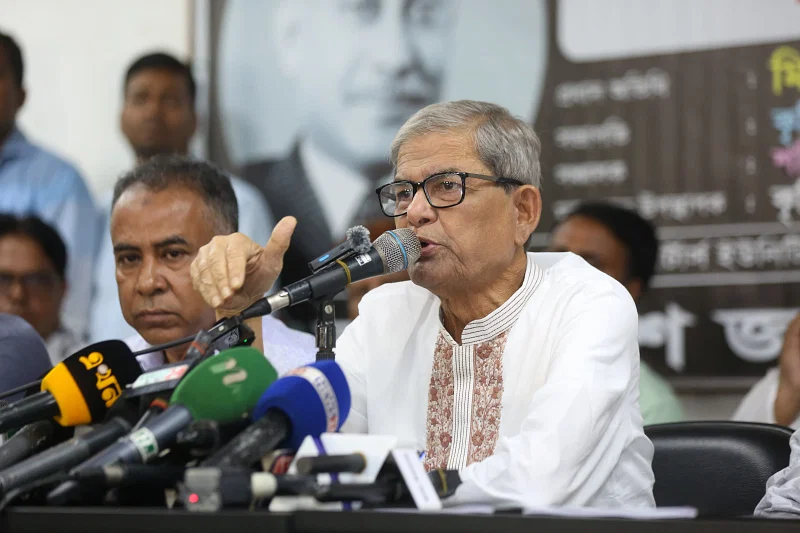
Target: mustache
(420,90)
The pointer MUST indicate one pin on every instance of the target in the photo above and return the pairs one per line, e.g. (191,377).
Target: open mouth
(426,247)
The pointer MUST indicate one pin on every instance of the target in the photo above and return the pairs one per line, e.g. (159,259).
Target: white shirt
(759,403)
(569,429)
(107,321)
(61,344)
(285,348)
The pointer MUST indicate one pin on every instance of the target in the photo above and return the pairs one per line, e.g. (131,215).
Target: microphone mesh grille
(392,250)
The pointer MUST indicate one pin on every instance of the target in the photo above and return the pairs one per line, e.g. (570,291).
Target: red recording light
(194,498)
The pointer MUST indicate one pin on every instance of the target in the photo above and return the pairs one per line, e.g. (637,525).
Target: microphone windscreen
(87,383)
(315,398)
(399,248)
(359,236)
(23,355)
(240,375)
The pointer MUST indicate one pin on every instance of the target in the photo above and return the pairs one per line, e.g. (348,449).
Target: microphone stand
(326,329)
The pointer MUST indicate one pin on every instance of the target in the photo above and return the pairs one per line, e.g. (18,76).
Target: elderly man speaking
(519,370)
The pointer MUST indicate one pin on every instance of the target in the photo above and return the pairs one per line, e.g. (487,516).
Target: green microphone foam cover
(226,386)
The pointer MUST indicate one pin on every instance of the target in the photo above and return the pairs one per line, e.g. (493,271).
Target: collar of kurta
(505,316)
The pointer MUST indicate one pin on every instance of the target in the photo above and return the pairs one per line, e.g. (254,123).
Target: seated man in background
(775,399)
(623,245)
(33,181)
(33,260)
(158,118)
(518,372)
(163,211)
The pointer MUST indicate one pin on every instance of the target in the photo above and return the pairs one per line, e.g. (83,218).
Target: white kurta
(566,388)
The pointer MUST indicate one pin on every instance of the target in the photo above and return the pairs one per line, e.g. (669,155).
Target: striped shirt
(34,181)
(463,428)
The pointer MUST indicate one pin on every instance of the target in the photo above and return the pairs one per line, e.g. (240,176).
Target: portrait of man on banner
(333,81)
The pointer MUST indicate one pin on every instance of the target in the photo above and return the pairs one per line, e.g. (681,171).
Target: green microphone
(222,388)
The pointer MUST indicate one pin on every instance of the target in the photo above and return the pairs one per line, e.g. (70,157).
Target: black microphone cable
(161,347)
(58,477)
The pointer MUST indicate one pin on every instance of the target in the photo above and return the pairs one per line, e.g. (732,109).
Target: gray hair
(204,179)
(505,143)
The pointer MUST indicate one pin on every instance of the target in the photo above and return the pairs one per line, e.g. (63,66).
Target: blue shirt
(34,181)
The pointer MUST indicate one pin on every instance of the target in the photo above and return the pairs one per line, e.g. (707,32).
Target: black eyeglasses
(446,189)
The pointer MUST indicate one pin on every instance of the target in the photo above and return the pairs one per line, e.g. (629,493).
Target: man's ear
(528,201)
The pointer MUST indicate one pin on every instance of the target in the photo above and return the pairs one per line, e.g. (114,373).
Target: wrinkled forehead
(142,216)
(432,153)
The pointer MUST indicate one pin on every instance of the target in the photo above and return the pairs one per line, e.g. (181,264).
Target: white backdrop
(76,53)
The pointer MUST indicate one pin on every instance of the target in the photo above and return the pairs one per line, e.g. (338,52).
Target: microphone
(69,489)
(380,493)
(62,456)
(162,379)
(392,252)
(224,388)
(332,464)
(161,382)
(149,476)
(309,400)
(210,489)
(357,241)
(204,437)
(79,390)
(30,440)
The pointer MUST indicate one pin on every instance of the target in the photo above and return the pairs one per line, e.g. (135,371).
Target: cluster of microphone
(218,429)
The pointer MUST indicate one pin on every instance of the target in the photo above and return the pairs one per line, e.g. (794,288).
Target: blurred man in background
(361,69)
(623,245)
(35,181)
(158,118)
(33,262)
